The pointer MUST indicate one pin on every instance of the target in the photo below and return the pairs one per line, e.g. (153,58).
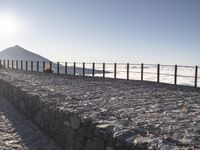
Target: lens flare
(9,25)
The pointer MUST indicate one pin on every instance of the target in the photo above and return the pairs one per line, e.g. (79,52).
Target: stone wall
(67,128)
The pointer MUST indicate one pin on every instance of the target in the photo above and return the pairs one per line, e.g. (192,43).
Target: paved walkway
(163,116)
(18,133)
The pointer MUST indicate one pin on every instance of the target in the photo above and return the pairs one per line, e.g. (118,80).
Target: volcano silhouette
(19,53)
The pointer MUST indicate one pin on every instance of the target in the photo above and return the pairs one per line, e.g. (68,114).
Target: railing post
(50,66)
(31,65)
(115,70)
(65,68)
(158,73)
(142,71)
(127,71)
(83,69)
(12,64)
(196,76)
(17,64)
(175,75)
(21,65)
(26,65)
(43,66)
(74,68)
(37,66)
(103,70)
(8,63)
(4,63)
(93,67)
(58,67)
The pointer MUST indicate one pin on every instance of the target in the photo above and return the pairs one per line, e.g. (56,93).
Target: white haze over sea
(185,74)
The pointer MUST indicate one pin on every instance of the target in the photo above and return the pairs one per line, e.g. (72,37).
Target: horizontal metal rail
(109,70)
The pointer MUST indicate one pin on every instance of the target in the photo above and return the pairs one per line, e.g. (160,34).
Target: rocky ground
(150,115)
(18,133)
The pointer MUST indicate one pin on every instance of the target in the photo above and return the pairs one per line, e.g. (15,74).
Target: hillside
(19,53)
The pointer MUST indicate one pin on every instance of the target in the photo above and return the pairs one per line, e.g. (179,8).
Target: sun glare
(9,25)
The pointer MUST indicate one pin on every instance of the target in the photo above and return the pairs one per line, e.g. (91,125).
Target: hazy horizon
(166,32)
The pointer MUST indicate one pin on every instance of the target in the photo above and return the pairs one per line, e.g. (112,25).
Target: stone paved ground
(158,115)
(17,133)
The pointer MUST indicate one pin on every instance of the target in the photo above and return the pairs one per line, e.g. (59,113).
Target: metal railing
(172,74)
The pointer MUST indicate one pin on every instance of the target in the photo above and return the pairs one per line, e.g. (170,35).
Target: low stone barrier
(67,128)
(97,114)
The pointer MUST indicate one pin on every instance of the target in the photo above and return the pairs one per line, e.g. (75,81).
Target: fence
(173,74)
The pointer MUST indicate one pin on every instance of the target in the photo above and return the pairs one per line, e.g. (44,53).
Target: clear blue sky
(149,31)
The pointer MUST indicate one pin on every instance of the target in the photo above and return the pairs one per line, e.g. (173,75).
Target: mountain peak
(17,46)
(18,53)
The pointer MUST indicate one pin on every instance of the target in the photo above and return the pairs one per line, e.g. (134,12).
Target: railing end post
(127,71)
(115,70)
(158,73)
(196,76)
(142,71)
(175,75)
(103,69)
(65,68)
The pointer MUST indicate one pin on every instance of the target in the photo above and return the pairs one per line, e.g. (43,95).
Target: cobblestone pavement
(17,133)
(160,115)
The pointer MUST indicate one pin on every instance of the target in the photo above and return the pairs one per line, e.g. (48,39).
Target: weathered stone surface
(75,121)
(95,144)
(121,114)
(109,148)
